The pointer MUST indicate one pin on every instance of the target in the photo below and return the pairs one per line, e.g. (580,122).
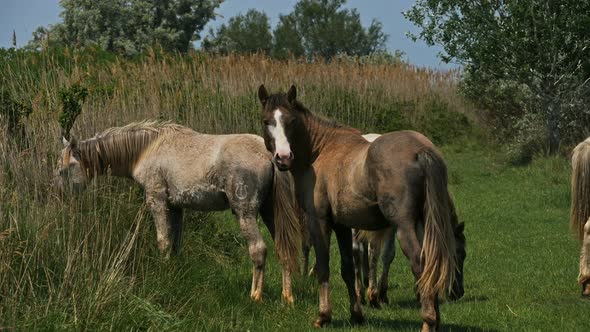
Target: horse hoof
(289,300)
(383,298)
(322,321)
(586,289)
(257,298)
(357,318)
(429,328)
(375,304)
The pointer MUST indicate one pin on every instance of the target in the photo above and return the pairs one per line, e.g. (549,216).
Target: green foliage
(128,27)
(72,100)
(375,58)
(244,34)
(325,29)
(315,28)
(540,46)
(442,124)
(528,140)
(12,112)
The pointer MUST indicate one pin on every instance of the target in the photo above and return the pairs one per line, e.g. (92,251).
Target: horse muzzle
(283,161)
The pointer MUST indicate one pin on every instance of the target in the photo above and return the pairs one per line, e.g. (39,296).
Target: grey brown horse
(342,181)
(179,168)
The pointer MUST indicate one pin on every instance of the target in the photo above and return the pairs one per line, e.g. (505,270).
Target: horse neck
(321,135)
(98,160)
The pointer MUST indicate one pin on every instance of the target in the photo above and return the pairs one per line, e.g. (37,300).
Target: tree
(128,26)
(541,46)
(323,28)
(245,34)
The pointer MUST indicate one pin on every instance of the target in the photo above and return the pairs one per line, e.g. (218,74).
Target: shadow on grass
(393,324)
(414,304)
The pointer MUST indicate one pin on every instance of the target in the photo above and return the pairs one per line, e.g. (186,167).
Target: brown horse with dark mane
(342,181)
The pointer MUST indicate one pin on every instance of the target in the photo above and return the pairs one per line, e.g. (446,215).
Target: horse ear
(73,143)
(292,94)
(262,94)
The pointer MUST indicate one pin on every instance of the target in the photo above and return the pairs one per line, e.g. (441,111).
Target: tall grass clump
(90,261)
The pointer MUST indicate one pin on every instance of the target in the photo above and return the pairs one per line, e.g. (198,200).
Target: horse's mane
(118,148)
(280,99)
(321,120)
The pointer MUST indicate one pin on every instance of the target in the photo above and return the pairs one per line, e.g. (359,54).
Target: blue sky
(24,16)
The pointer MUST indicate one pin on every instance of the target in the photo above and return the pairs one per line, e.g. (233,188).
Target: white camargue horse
(179,168)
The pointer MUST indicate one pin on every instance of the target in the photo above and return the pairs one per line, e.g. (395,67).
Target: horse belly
(205,199)
(360,216)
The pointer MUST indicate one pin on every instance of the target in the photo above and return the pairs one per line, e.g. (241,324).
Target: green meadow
(90,262)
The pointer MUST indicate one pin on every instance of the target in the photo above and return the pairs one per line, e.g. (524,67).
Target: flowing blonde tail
(438,254)
(288,232)
(580,209)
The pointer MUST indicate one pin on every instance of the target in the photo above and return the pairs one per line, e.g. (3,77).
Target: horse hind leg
(386,259)
(584,277)
(257,251)
(357,256)
(411,247)
(372,292)
(175,217)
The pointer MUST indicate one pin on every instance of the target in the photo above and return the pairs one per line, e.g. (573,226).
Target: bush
(530,138)
(441,124)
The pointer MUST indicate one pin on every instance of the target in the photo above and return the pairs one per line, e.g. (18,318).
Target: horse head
(280,118)
(70,174)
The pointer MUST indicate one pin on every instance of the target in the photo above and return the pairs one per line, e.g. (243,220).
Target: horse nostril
(291,155)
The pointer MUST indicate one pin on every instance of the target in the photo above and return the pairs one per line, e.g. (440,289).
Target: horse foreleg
(344,237)
(257,251)
(158,206)
(287,292)
(386,259)
(372,292)
(322,272)
(584,277)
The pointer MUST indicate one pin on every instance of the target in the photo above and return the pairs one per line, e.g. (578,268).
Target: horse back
(208,172)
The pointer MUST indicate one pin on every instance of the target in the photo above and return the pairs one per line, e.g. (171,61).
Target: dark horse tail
(580,209)
(438,256)
(286,215)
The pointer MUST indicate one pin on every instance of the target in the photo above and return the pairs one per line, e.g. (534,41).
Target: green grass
(91,262)
(520,272)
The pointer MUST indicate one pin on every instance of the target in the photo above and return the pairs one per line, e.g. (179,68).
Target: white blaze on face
(282,147)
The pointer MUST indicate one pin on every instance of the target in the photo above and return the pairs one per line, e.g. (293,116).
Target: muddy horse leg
(257,251)
(584,277)
(158,206)
(344,237)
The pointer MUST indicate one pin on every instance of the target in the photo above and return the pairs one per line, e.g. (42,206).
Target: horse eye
(266,122)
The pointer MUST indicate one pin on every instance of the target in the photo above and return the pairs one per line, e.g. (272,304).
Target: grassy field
(91,263)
